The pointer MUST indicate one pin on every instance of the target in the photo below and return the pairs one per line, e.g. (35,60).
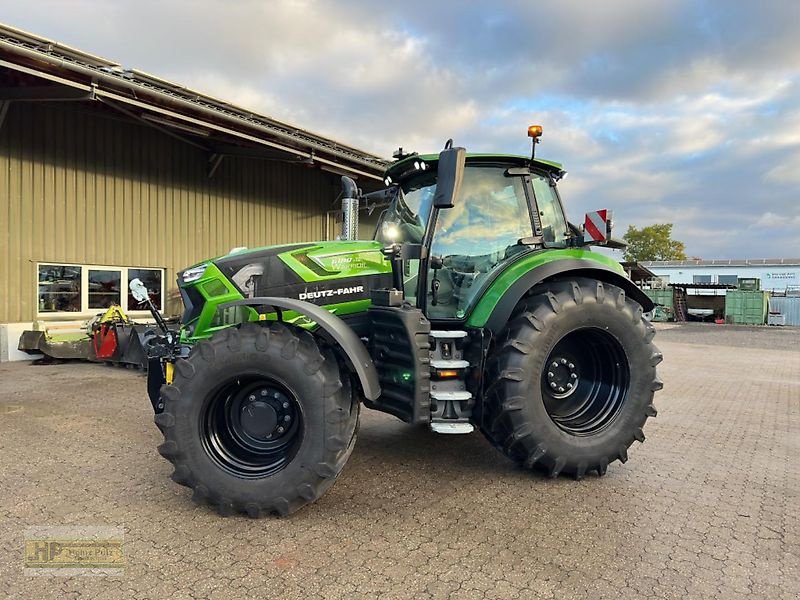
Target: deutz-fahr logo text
(343,291)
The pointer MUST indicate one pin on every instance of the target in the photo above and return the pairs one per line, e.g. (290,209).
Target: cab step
(451,402)
(451,428)
(449,396)
(448,335)
(449,364)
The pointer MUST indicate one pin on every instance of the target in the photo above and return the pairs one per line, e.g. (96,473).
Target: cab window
(551,216)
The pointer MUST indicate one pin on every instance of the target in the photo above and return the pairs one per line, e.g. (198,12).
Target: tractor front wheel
(258,420)
(571,379)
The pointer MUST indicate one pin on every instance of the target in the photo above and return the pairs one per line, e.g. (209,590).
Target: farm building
(752,291)
(774,274)
(109,174)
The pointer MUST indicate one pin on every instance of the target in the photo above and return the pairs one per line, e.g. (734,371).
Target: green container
(746,308)
(663,299)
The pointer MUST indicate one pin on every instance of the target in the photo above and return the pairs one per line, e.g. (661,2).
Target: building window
(701,279)
(88,289)
(728,279)
(104,288)
(60,288)
(151,278)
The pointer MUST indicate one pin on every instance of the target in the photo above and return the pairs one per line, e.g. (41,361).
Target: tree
(653,242)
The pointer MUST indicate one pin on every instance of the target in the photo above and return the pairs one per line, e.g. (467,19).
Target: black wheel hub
(252,427)
(562,377)
(585,381)
(259,419)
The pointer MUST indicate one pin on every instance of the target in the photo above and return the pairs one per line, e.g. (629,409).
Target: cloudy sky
(665,111)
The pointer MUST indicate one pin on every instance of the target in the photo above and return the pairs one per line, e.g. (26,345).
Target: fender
(577,267)
(340,331)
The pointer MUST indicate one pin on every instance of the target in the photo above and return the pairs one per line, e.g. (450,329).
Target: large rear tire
(258,420)
(571,379)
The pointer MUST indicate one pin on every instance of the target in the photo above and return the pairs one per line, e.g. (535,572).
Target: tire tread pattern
(504,424)
(341,416)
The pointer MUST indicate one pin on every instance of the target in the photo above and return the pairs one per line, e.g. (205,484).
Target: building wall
(79,186)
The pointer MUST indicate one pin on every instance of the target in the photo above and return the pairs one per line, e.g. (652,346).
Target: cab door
(471,240)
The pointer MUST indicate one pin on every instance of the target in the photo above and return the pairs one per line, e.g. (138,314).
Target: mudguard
(560,268)
(340,331)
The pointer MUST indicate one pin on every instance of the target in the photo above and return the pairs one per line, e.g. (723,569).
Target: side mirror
(139,291)
(449,176)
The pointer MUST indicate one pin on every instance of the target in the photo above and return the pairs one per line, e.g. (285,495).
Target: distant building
(776,274)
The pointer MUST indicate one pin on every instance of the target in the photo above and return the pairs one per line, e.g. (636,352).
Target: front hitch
(162,351)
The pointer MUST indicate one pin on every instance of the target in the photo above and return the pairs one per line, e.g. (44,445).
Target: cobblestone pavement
(707,507)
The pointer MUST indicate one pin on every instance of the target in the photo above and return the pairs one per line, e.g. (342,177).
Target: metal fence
(788,306)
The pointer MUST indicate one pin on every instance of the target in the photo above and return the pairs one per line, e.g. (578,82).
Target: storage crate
(776,319)
(749,284)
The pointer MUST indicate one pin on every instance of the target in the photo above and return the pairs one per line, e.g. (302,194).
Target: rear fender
(341,332)
(561,269)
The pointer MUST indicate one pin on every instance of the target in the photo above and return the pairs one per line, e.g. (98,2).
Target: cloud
(663,110)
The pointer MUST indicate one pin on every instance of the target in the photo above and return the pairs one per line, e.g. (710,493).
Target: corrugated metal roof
(84,68)
(725,262)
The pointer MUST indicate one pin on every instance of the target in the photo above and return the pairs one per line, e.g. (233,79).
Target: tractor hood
(304,268)
(338,275)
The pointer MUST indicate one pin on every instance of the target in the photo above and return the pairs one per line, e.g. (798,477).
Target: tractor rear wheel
(571,379)
(258,420)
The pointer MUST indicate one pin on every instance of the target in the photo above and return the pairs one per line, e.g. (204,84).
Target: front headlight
(193,274)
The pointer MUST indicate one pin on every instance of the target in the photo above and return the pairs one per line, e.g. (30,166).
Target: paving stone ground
(707,507)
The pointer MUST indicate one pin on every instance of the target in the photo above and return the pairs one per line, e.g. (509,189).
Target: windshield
(406,218)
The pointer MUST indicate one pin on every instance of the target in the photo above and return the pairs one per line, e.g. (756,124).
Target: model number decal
(356,289)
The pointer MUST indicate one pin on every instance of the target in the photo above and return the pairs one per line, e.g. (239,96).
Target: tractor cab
(504,206)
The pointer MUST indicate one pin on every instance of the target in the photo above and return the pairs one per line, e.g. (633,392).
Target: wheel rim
(585,381)
(252,427)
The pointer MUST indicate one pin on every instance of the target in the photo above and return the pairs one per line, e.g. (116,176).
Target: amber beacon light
(534,131)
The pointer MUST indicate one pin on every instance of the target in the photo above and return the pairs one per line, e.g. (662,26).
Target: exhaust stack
(349,209)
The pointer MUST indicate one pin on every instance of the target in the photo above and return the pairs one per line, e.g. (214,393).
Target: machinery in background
(110,337)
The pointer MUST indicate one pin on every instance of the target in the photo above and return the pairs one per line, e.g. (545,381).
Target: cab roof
(399,169)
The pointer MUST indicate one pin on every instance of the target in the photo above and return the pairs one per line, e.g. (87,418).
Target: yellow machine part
(114,313)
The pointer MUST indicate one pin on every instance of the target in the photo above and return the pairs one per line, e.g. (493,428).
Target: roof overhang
(56,72)
(637,272)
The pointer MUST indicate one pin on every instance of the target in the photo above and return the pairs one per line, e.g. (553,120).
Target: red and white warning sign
(596,226)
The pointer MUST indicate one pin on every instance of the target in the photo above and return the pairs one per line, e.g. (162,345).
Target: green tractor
(477,305)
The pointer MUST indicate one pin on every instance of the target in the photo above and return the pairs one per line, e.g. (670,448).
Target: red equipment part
(105,341)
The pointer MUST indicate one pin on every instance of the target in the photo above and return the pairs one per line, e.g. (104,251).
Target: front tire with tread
(292,358)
